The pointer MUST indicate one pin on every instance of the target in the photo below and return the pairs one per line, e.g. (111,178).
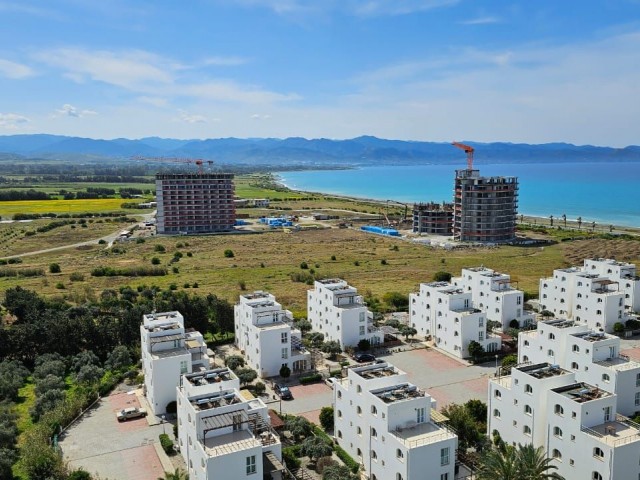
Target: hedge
(316,377)
(335,373)
(290,457)
(346,459)
(166,443)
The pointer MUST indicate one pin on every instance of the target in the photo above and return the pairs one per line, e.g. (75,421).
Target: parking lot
(444,378)
(115,450)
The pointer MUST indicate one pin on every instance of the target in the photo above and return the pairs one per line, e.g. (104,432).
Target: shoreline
(531,220)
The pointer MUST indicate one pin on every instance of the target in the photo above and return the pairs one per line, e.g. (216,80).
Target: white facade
(335,309)
(594,358)
(168,351)
(384,423)
(445,312)
(623,272)
(264,333)
(221,434)
(576,423)
(493,294)
(584,295)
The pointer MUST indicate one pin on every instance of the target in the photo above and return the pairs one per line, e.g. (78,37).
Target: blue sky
(521,71)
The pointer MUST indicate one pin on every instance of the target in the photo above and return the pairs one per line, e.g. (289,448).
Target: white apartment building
(492,293)
(264,333)
(335,309)
(384,422)
(168,351)
(594,358)
(446,313)
(623,272)
(576,423)
(221,434)
(584,296)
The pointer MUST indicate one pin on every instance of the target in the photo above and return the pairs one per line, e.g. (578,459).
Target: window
(444,456)
(526,430)
(183,367)
(399,453)
(498,394)
(420,415)
(574,365)
(359,410)
(480,336)
(550,353)
(575,348)
(528,410)
(359,453)
(444,476)
(251,464)
(598,452)
(374,433)
(528,389)
(398,476)
(638,380)
(637,399)
(481,322)
(556,454)
(361,330)
(374,455)
(552,336)
(374,410)
(558,410)
(362,316)
(359,389)
(284,337)
(526,343)
(285,352)
(496,413)
(359,431)
(557,432)
(607,414)
(606,378)
(596,476)
(339,413)
(339,433)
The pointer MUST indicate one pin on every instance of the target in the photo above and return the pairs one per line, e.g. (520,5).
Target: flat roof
(581,392)
(397,393)
(374,370)
(216,400)
(208,377)
(542,370)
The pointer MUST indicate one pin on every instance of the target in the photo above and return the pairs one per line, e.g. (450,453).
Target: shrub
(326,418)
(324,462)
(442,276)
(333,258)
(102,242)
(303,265)
(175,270)
(383,262)
(166,443)
(60,286)
(346,459)
(195,285)
(140,240)
(155,261)
(259,388)
(76,277)
(229,254)
(356,263)
(242,285)
(159,249)
(186,285)
(54,268)
(173,286)
(316,377)
(234,362)
(618,327)
(290,458)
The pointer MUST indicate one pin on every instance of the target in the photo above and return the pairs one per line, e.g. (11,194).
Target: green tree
(508,362)
(315,339)
(84,358)
(396,300)
(229,253)
(234,362)
(442,276)
(478,410)
(299,427)
(525,462)
(119,358)
(339,472)
(315,447)
(178,474)
(303,325)
(285,371)
(470,432)
(259,388)
(408,332)
(89,374)
(326,418)
(80,475)
(618,327)
(332,347)
(54,268)
(364,345)
(50,382)
(499,464)
(533,463)
(475,350)
(246,375)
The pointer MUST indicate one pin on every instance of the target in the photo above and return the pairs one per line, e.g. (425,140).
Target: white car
(331,381)
(129,413)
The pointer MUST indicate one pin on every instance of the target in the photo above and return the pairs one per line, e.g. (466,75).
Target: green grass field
(8,209)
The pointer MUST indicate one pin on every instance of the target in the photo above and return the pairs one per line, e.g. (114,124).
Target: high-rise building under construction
(194,203)
(485,208)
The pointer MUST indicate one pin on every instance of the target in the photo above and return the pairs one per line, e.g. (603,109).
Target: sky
(532,71)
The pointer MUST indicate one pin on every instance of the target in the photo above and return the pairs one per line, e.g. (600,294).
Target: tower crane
(197,161)
(468,150)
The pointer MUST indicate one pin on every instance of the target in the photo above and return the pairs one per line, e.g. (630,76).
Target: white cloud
(14,70)
(231,92)
(396,7)
(350,7)
(481,21)
(12,121)
(257,116)
(192,118)
(224,61)
(68,110)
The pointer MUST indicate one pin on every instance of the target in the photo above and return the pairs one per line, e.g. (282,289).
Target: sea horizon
(598,191)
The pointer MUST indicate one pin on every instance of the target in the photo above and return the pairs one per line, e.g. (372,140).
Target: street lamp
(162,417)
(496,365)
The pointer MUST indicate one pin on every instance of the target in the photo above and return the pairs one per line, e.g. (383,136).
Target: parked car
(283,391)
(331,381)
(129,413)
(364,357)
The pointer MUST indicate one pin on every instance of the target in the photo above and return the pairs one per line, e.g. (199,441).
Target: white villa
(265,335)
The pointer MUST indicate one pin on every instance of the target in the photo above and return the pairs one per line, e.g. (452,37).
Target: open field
(267,261)
(55,187)
(8,209)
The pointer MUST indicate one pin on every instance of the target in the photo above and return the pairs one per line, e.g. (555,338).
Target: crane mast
(468,150)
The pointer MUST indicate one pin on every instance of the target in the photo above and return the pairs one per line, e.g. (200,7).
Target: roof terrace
(542,370)
(163,316)
(256,295)
(592,336)
(397,393)
(559,323)
(581,392)
(374,370)
(619,432)
(220,399)
(209,377)
(330,281)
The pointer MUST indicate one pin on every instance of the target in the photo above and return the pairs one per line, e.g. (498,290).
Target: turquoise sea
(603,192)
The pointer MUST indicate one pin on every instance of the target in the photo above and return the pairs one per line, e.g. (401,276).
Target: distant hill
(302,152)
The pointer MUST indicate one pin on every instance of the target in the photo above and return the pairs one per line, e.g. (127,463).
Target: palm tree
(551,219)
(564,217)
(579,220)
(499,464)
(533,464)
(177,475)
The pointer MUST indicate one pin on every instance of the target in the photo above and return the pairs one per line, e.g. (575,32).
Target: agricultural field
(272,261)
(97,205)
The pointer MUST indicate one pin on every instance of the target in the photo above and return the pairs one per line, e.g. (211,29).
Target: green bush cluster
(25,272)
(316,377)
(128,272)
(166,443)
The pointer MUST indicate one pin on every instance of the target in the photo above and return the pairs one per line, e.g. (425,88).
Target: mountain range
(302,152)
